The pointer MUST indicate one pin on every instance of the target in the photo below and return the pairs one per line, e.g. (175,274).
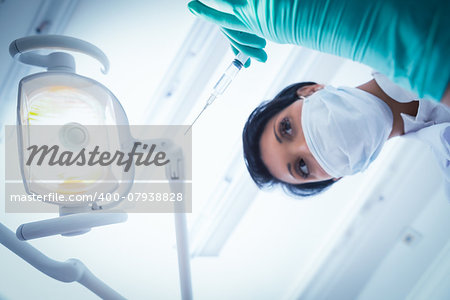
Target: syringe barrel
(229,74)
(225,80)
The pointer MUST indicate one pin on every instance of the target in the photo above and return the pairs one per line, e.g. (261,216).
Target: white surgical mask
(345,128)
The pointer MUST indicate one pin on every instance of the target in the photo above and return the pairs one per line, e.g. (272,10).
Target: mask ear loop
(301,98)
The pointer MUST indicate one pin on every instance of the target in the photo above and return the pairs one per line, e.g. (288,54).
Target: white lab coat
(431,125)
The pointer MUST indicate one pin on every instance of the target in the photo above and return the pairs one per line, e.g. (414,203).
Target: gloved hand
(239,23)
(407,41)
(247,22)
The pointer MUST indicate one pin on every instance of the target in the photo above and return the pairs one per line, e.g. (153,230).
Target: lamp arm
(69,224)
(68,271)
(175,175)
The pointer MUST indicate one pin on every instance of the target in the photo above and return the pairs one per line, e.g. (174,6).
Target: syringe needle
(211,99)
(223,82)
(195,119)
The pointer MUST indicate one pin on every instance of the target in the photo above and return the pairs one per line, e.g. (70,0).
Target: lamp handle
(22,49)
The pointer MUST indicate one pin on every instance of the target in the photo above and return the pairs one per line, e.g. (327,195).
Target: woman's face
(283,146)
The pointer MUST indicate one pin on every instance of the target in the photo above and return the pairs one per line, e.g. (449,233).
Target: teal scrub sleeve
(407,40)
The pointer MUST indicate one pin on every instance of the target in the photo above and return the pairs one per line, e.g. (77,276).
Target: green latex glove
(406,40)
(323,25)
(242,38)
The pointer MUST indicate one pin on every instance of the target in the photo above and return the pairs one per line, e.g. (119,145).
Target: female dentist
(408,41)
(311,135)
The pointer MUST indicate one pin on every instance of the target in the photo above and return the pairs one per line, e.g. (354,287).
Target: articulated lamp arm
(175,173)
(68,271)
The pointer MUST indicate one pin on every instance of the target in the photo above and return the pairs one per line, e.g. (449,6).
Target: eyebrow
(289,169)
(276,135)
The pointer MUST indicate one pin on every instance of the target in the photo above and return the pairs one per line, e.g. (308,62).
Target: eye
(302,168)
(285,127)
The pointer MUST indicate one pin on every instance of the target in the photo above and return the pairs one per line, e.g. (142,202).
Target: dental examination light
(73,105)
(69,103)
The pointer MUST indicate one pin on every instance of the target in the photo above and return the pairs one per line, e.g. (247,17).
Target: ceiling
(245,244)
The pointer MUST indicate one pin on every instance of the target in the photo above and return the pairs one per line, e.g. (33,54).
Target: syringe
(224,81)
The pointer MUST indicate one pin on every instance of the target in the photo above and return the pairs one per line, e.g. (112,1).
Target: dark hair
(252,134)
